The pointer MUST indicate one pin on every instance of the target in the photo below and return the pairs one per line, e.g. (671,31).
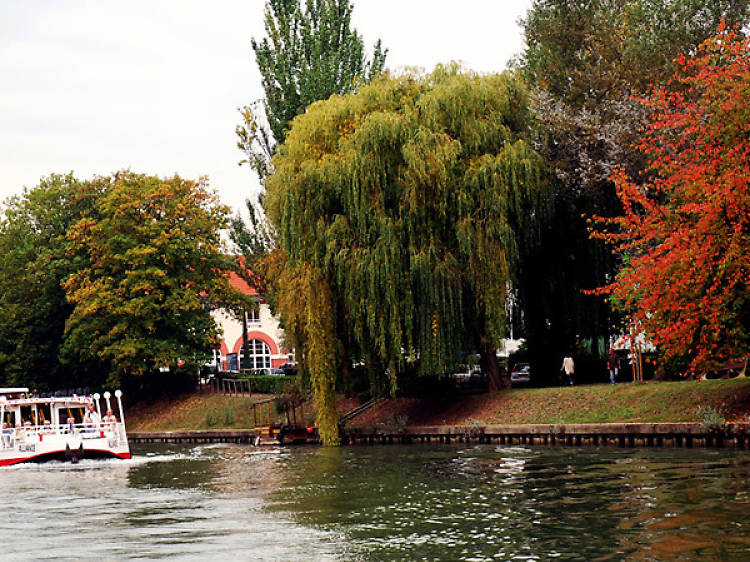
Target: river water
(416,502)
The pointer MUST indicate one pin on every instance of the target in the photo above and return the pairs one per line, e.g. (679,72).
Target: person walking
(613,365)
(568,367)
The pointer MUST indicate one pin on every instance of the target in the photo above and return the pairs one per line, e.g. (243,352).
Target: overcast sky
(154,86)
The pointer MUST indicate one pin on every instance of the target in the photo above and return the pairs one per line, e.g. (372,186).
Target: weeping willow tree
(399,211)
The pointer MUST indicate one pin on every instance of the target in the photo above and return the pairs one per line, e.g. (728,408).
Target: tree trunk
(498,376)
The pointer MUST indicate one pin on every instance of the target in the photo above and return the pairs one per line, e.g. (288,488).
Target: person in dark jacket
(613,365)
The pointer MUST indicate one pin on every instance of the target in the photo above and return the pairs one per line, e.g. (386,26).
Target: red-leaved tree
(684,235)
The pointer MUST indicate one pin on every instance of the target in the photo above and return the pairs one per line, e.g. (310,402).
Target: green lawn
(600,403)
(194,411)
(651,402)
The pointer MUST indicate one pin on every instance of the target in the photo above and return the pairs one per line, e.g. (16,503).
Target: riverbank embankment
(652,414)
(689,435)
(652,402)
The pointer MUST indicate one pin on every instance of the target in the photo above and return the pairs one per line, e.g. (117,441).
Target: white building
(265,337)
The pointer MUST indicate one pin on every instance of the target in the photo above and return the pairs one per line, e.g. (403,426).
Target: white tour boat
(69,427)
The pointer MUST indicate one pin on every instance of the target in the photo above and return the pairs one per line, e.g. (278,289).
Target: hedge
(269,384)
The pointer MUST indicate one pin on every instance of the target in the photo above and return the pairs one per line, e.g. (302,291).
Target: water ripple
(382,503)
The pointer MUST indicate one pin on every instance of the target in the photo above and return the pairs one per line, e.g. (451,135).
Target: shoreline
(630,435)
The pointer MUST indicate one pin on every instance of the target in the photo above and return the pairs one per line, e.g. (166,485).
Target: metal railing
(232,387)
(10,436)
(359,409)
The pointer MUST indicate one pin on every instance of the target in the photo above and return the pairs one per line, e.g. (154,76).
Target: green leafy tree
(585,53)
(399,211)
(33,264)
(586,61)
(308,55)
(154,269)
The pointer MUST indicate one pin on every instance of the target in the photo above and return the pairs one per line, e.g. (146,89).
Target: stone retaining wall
(601,434)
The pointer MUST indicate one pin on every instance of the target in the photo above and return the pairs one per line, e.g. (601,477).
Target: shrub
(228,416)
(212,417)
(269,384)
(395,424)
(710,418)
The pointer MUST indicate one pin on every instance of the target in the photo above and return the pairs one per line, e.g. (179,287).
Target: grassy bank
(651,402)
(205,411)
(602,403)
(193,411)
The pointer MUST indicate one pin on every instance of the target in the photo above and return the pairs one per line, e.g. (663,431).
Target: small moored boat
(60,427)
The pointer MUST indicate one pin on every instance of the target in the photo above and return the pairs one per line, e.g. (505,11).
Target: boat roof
(16,390)
(65,400)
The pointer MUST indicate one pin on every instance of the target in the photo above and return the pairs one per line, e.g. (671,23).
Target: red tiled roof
(240,284)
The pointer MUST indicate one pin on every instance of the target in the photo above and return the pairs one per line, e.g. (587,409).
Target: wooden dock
(736,436)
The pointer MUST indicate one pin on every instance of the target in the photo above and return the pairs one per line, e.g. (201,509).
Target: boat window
(10,418)
(27,415)
(34,414)
(75,412)
(44,413)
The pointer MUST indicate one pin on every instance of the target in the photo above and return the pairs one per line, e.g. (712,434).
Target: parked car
(520,374)
(290,369)
(467,372)
(265,372)
(207,378)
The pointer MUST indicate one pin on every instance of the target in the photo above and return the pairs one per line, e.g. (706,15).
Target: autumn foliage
(154,267)
(684,235)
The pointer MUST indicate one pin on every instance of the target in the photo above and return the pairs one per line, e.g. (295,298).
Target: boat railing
(10,436)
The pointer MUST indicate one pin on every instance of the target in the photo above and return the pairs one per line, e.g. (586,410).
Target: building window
(253,316)
(260,355)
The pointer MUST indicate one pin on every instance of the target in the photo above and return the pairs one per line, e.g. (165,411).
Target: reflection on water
(382,503)
(481,503)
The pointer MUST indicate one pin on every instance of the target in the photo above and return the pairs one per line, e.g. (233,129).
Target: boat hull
(74,446)
(61,456)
